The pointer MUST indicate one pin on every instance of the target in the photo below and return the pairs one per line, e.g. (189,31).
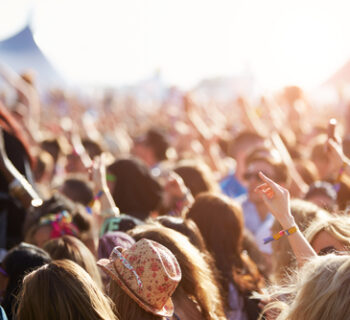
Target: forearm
(19,187)
(300,246)
(107,203)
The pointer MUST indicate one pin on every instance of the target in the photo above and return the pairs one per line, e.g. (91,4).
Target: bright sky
(119,42)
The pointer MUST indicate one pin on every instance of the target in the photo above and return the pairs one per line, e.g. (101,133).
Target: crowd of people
(115,207)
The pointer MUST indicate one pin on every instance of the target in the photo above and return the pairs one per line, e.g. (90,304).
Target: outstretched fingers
(272,184)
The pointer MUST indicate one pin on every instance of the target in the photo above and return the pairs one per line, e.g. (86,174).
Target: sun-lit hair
(283,258)
(62,290)
(321,291)
(198,282)
(71,248)
(336,226)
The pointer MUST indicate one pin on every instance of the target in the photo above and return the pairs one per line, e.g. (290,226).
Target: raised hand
(336,155)
(277,200)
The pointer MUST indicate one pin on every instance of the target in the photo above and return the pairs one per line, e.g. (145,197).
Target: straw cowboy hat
(148,272)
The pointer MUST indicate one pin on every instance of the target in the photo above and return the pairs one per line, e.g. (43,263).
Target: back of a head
(338,227)
(187,227)
(322,291)
(62,290)
(71,248)
(220,221)
(156,139)
(78,190)
(135,191)
(197,177)
(305,213)
(198,280)
(20,260)
(93,148)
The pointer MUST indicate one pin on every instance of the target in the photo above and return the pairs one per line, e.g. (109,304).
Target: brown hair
(220,221)
(187,227)
(62,290)
(71,248)
(197,281)
(196,176)
(127,308)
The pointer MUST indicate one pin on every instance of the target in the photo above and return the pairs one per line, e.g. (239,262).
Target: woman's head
(321,292)
(148,273)
(62,290)
(134,191)
(19,261)
(283,258)
(71,248)
(197,177)
(329,234)
(221,223)
(56,217)
(185,226)
(198,279)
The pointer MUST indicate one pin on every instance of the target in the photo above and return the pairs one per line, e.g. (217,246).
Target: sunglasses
(329,250)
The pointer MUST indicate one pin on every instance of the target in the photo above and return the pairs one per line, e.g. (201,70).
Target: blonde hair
(198,282)
(71,248)
(62,290)
(336,226)
(321,291)
(283,258)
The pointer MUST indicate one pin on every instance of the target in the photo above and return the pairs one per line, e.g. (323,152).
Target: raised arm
(18,185)
(277,199)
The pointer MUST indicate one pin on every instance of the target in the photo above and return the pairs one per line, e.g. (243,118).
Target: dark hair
(220,221)
(10,125)
(79,190)
(53,147)
(156,139)
(92,147)
(135,192)
(19,261)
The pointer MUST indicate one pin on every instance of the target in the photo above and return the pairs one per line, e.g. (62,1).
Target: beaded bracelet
(97,197)
(280,234)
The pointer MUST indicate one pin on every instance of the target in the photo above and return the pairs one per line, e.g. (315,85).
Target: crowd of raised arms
(117,206)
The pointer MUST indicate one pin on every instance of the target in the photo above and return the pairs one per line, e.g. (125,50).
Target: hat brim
(108,266)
